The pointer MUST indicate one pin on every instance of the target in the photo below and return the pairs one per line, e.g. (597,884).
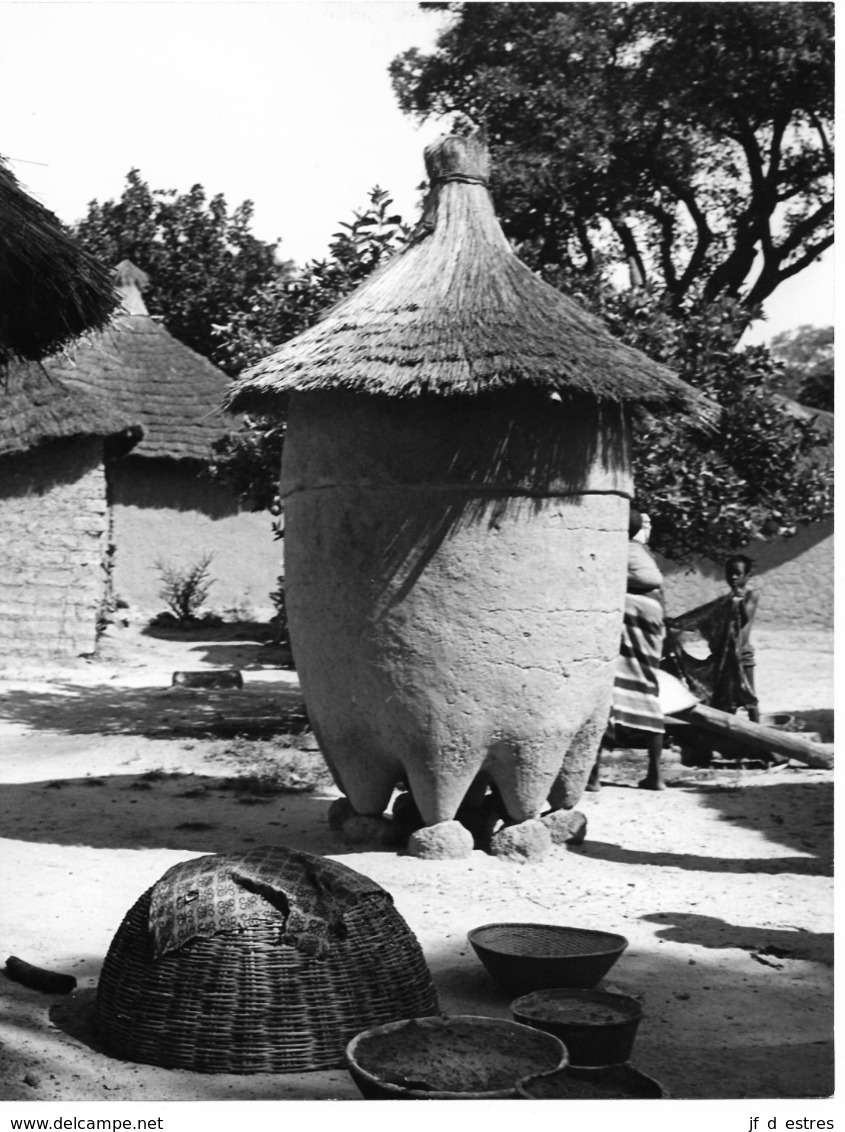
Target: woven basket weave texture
(546,940)
(267,961)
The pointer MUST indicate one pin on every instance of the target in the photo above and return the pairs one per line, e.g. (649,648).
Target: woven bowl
(597,1028)
(263,962)
(465,1057)
(609,1082)
(527,957)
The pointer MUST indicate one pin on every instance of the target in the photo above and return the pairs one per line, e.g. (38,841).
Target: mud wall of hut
(794,578)
(163,510)
(54,523)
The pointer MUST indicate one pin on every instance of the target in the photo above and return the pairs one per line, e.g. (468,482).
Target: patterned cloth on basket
(200,898)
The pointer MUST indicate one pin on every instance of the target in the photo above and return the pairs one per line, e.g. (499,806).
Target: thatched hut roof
(50,289)
(456,312)
(147,374)
(37,407)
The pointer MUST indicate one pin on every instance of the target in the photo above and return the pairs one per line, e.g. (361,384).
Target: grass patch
(269,767)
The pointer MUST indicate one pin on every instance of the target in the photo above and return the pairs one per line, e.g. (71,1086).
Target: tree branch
(667,227)
(636,267)
(820,130)
(805,228)
(772,276)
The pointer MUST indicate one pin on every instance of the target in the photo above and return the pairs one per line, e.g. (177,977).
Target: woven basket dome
(266,961)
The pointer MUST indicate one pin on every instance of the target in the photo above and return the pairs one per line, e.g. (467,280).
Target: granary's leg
(360,815)
(523,794)
(437,798)
(515,767)
(580,757)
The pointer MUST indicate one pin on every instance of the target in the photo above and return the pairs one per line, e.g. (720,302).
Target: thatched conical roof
(50,289)
(455,313)
(142,371)
(37,408)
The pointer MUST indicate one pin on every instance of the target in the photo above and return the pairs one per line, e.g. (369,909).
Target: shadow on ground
(118,710)
(247,645)
(771,809)
(188,812)
(771,944)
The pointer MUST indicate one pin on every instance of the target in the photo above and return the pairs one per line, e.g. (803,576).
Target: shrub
(185,588)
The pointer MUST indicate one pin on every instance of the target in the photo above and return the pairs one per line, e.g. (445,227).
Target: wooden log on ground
(209,678)
(789,743)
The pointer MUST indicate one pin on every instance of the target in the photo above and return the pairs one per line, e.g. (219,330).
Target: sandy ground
(722,883)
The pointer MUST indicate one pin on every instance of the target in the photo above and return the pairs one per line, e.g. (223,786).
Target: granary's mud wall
(794,577)
(165,510)
(54,519)
(468,564)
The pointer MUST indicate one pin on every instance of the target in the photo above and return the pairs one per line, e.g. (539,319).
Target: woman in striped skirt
(636,698)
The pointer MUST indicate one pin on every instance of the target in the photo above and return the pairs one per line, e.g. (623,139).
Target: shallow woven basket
(527,957)
(244,1000)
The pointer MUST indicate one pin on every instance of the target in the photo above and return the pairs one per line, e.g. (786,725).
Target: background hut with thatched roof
(164,506)
(50,289)
(54,581)
(53,507)
(456,484)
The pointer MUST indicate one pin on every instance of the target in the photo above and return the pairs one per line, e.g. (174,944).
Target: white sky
(288,104)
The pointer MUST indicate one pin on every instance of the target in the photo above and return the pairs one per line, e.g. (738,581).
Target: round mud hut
(456,484)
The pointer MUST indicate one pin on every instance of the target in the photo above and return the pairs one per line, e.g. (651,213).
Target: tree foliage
(692,144)
(289,303)
(760,473)
(691,141)
(203,262)
(249,460)
(806,357)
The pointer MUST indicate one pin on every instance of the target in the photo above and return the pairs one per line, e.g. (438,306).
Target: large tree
(692,144)
(203,262)
(693,141)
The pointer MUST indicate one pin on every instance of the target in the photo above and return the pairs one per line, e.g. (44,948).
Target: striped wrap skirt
(636,698)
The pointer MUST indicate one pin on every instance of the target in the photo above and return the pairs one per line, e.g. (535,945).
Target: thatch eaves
(37,408)
(146,373)
(51,290)
(456,312)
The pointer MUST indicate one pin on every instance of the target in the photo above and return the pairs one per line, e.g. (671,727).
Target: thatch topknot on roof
(51,290)
(456,312)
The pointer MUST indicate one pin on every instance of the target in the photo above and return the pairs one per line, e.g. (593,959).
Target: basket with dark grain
(525,957)
(597,1027)
(463,1057)
(266,961)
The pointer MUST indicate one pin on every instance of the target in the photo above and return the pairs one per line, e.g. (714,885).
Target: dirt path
(722,884)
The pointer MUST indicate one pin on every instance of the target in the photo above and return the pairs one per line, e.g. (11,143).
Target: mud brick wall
(54,528)
(169,511)
(794,578)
